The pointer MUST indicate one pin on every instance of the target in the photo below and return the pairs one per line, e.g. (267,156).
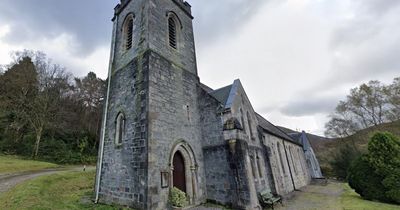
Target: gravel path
(11,180)
(315,197)
(311,197)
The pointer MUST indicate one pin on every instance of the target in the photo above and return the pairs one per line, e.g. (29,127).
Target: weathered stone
(168,111)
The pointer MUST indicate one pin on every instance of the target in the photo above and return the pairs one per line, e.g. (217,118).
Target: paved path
(11,180)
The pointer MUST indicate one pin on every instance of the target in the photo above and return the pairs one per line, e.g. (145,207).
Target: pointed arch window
(242,120)
(259,165)
(128,32)
(249,122)
(174,29)
(280,158)
(119,128)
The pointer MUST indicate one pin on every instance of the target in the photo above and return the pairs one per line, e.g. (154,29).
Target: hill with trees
(370,108)
(47,113)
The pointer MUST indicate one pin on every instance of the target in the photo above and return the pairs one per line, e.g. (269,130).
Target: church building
(163,128)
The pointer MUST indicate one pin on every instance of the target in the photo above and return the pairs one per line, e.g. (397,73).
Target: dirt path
(11,180)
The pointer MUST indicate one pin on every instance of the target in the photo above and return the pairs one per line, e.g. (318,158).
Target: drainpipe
(101,152)
(290,170)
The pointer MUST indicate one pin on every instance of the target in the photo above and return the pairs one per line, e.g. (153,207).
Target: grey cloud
(307,106)
(216,18)
(88,22)
(376,7)
(366,46)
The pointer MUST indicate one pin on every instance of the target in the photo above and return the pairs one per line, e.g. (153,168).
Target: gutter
(103,133)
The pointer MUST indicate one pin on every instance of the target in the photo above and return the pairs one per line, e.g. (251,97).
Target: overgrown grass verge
(352,201)
(64,190)
(14,164)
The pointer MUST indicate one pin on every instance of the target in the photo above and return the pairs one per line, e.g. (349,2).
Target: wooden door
(179,179)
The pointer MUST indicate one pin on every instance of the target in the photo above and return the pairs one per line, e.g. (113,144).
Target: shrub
(384,153)
(376,175)
(392,183)
(363,179)
(178,198)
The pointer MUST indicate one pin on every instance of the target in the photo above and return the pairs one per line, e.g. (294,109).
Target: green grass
(14,164)
(65,190)
(352,201)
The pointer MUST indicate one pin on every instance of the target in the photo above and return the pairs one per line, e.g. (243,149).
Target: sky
(296,58)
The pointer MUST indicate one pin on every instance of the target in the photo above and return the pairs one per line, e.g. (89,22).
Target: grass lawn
(351,200)
(64,190)
(14,164)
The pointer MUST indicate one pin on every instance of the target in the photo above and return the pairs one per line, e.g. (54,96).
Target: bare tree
(393,96)
(366,106)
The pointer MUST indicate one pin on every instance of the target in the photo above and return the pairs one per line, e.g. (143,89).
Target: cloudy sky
(296,58)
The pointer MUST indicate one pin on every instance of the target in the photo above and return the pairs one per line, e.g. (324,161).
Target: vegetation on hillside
(46,113)
(335,156)
(369,108)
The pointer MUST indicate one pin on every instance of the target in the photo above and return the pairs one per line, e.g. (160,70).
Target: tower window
(172,32)
(128,32)
(119,128)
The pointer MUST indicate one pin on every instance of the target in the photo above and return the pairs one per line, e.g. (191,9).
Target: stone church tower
(151,135)
(162,128)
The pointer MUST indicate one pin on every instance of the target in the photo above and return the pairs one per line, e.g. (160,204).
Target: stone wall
(174,116)
(124,169)
(220,180)
(279,164)
(300,173)
(288,164)
(211,120)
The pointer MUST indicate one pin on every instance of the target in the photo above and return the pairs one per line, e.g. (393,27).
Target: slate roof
(222,94)
(206,88)
(272,129)
(295,136)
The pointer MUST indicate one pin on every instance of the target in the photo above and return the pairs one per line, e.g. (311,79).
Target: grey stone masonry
(124,168)
(177,132)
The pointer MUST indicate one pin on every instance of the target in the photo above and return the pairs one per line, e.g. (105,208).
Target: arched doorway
(179,177)
(184,170)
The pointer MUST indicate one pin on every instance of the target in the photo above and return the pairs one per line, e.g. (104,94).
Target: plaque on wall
(164,179)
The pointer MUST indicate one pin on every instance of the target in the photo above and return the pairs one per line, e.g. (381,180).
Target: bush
(178,198)
(392,182)
(363,179)
(376,175)
(384,153)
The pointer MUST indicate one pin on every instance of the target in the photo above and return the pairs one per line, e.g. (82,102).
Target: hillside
(326,151)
